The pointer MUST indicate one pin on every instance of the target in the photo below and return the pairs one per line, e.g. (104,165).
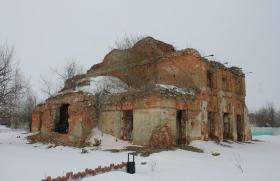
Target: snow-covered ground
(259,161)
(107,141)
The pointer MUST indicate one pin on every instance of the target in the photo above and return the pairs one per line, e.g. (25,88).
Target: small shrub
(153,166)
(237,162)
(216,154)
(84,151)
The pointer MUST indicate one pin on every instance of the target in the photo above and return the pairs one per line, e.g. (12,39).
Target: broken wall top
(140,63)
(147,48)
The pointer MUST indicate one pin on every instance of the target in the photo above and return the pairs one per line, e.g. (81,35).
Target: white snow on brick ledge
(112,85)
(175,89)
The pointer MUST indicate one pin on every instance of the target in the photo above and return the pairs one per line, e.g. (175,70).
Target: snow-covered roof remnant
(174,90)
(109,84)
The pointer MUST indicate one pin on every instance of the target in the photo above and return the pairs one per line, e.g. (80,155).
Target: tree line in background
(16,97)
(266,116)
(52,85)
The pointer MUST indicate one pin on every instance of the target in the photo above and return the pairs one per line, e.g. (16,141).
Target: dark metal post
(130,165)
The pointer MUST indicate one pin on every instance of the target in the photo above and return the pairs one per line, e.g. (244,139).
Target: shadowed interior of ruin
(62,124)
(239,128)
(128,124)
(211,125)
(180,127)
(227,133)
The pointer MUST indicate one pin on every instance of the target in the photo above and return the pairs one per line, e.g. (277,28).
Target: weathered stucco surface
(146,115)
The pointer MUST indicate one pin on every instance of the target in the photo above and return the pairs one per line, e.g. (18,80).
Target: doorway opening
(128,125)
(40,122)
(226,120)
(62,124)
(239,128)
(211,125)
(181,127)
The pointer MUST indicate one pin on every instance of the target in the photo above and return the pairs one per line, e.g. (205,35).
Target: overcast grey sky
(242,32)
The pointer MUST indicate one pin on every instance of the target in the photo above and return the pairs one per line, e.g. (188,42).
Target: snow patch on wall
(109,84)
(107,141)
(175,89)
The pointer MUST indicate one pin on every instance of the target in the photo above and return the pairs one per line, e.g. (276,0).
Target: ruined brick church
(151,95)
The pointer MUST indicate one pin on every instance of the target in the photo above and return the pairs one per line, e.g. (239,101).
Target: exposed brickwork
(161,136)
(219,91)
(81,118)
(87,173)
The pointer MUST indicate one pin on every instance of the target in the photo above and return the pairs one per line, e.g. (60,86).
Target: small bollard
(130,168)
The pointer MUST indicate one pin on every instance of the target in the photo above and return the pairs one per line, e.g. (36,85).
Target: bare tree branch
(12,84)
(70,69)
(47,86)
(127,42)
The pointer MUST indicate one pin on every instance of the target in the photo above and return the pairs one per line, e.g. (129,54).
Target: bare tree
(278,118)
(127,41)
(266,116)
(51,86)
(28,104)
(70,69)
(271,114)
(22,115)
(12,84)
(47,86)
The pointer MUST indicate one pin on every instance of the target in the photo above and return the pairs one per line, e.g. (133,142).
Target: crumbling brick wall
(81,117)
(161,136)
(218,90)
